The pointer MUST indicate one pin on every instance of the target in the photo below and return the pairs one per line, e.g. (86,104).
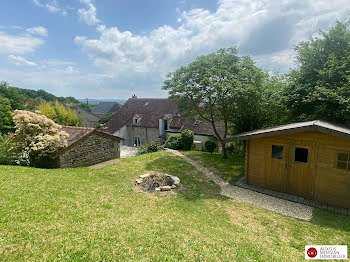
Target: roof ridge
(79,127)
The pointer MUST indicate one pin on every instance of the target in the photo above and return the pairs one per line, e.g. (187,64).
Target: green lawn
(97,215)
(229,169)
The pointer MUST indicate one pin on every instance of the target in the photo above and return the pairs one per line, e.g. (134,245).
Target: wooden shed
(308,159)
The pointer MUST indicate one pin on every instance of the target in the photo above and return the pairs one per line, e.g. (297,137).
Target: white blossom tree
(36,135)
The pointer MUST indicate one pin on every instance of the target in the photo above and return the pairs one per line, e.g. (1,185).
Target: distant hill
(29,99)
(96,101)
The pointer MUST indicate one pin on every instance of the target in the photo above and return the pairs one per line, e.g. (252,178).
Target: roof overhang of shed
(316,126)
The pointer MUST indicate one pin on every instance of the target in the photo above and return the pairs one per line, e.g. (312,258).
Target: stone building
(87,146)
(143,120)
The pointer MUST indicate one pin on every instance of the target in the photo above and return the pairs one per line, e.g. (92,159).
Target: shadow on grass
(329,219)
(194,185)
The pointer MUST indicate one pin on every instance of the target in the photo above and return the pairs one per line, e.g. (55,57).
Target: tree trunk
(223,150)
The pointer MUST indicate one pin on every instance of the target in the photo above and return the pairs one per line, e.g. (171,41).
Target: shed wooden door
(276,166)
(301,164)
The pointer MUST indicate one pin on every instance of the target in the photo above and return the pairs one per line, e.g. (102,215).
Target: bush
(236,147)
(174,142)
(36,136)
(7,156)
(187,139)
(149,148)
(210,146)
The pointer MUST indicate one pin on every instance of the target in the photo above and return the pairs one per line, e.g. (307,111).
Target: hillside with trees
(14,98)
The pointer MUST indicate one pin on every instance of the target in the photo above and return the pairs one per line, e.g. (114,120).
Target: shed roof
(105,107)
(315,125)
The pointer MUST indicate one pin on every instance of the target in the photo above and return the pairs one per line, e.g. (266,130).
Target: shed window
(343,161)
(277,152)
(301,155)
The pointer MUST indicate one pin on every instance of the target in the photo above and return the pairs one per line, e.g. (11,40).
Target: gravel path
(127,151)
(275,204)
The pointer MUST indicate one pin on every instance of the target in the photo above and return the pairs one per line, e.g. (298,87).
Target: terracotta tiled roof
(75,133)
(153,109)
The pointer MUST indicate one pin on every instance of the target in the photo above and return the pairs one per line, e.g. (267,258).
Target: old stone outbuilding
(87,146)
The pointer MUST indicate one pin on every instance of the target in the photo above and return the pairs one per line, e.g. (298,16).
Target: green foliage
(320,87)
(61,115)
(210,146)
(149,148)
(187,139)
(106,118)
(6,123)
(6,156)
(28,99)
(12,94)
(226,90)
(236,147)
(174,142)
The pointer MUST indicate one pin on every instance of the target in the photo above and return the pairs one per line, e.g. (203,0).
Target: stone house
(103,108)
(87,146)
(143,120)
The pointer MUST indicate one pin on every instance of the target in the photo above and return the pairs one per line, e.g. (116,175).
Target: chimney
(134,96)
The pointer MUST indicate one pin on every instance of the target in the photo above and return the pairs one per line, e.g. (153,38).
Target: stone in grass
(145,175)
(157,189)
(173,186)
(176,180)
(164,188)
(139,181)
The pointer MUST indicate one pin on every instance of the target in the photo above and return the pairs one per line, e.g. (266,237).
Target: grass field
(229,169)
(94,215)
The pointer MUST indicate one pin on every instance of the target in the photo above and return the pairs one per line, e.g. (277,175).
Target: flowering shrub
(36,135)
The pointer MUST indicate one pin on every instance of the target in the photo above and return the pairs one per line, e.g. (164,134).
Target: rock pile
(157,182)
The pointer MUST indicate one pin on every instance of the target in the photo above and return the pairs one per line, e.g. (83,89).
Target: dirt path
(275,204)
(106,163)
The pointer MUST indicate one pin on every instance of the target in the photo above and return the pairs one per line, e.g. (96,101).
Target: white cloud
(38,30)
(52,6)
(18,44)
(257,27)
(20,61)
(88,15)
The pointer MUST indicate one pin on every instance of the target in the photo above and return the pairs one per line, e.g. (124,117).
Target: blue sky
(116,48)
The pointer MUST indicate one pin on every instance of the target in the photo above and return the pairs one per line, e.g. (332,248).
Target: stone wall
(145,134)
(93,149)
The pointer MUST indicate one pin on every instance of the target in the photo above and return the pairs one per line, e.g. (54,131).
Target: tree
(12,94)
(6,123)
(61,115)
(219,88)
(36,136)
(320,86)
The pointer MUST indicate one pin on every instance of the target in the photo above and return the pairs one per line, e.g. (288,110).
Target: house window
(137,141)
(135,121)
(301,155)
(277,152)
(196,122)
(165,124)
(343,161)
